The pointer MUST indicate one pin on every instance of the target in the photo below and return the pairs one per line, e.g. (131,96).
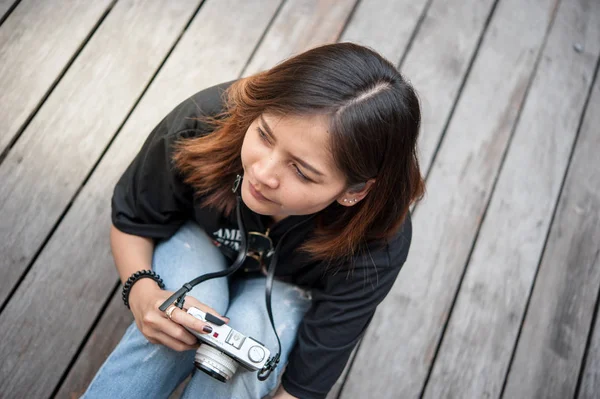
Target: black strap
(274,361)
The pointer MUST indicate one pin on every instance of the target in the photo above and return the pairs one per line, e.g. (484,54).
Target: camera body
(225,348)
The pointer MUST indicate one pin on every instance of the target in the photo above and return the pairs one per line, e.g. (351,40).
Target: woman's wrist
(142,288)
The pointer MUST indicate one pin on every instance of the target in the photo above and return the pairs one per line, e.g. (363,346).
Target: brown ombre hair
(374,119)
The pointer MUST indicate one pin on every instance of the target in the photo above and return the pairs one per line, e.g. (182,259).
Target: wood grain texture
(114,321)
(445,223)
(590,382)
(300,25)
(437,64)
(37,41)
(5,5)
(385,26)
(48,164)
(478,344)
(43,172)
(337,388)
(554,335)
(214,49)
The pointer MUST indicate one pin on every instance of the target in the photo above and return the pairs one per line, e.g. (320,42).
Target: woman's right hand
(145,298)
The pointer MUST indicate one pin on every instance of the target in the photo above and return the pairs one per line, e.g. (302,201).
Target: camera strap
(274,361)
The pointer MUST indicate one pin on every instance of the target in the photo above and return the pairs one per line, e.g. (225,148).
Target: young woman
(326,144)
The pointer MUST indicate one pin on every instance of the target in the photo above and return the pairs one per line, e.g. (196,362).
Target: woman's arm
(282,394)
(151,201)
(133,253)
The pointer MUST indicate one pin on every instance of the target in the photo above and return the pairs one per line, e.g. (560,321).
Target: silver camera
(221,351)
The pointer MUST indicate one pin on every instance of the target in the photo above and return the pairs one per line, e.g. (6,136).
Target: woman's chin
(254,205)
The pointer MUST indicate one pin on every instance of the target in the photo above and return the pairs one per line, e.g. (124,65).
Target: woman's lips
(256,194)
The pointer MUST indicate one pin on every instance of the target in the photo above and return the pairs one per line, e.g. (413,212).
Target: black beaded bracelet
(137,276)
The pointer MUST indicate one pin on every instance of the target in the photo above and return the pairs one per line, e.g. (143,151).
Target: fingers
(183,318)
(179,333)
(173,343)
(190,301)
(158,330)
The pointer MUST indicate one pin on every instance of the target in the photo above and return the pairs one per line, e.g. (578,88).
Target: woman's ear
(353,196)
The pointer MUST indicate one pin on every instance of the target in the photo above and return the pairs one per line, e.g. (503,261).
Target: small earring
(345,199)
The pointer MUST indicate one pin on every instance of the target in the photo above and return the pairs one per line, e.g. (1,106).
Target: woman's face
(288,167)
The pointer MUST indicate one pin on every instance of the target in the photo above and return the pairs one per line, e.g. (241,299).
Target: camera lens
(215,363)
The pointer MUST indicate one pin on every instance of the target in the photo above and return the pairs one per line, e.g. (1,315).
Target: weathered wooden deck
(499,297)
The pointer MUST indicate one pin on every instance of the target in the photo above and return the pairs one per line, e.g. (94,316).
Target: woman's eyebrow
(306,165)
(266,126)
(300,161)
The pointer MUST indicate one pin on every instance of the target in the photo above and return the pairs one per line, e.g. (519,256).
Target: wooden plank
(37,41)
(47,165)
(437,64)
(554,336)
(439,56)
(214,49)
(385,26)
(337,388)
(474,357)
(300,25)
(5,6)
(411,320)
(115,320)
(43,172)
(552,344)
(590,382)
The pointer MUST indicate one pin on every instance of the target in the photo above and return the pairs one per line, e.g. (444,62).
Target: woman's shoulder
(393,251)
(399,244)
(187,116)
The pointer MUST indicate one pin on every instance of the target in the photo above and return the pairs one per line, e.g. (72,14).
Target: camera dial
(256,354)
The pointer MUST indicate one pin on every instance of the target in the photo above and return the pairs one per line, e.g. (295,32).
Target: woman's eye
(300,174)
(263,136)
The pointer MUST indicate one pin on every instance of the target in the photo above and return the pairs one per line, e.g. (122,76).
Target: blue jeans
(139,369)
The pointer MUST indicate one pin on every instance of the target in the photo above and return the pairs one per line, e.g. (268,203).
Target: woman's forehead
(305,136)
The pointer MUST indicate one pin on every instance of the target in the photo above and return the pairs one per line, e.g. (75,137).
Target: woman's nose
(265,171)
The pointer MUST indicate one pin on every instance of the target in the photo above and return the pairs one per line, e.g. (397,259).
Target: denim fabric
(139,369)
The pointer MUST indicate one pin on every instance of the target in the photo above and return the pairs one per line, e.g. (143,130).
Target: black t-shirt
(151,200)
